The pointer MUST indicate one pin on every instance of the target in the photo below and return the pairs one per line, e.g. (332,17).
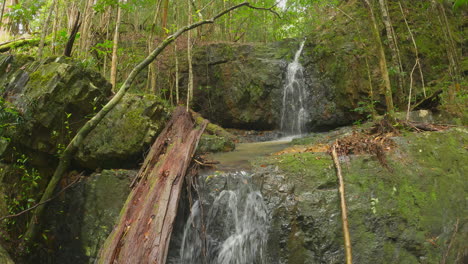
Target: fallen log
(143,232)
(18,43)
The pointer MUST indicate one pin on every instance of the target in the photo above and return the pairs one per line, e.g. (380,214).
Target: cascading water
(226,227)
(293,112)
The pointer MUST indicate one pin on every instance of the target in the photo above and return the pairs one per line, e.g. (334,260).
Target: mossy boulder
(214,143)
(413,213)
(52,97)
(80,221)
(125,133)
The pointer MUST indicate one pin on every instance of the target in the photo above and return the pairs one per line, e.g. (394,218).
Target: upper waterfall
(293,111)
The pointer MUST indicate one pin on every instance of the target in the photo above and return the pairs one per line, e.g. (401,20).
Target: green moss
(393,214)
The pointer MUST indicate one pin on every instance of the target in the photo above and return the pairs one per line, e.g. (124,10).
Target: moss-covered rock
(53,97)
(79,222)
(125,133)
(214,143)
(409,214)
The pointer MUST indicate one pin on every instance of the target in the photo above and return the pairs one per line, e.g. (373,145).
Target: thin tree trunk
(71,39)
(189,58)
(410,90)
(371,89)
(2,12)
(77,141)
(115,46)
(382,61)
(86,29)
(344,211)
(176,73)
(55,28)
(416,51)
(45,26)
(392,42)
(152,77)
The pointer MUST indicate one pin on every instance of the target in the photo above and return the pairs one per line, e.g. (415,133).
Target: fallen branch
(455,230)
(344,213)
(18,43)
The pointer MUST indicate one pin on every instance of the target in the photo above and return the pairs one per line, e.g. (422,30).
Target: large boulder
(52,99)
(126,132)
(413,212)
(79,222)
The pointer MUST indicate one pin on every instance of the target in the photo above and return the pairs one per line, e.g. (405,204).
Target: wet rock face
(80,221)
(406,215)
(54,97)
(241,86)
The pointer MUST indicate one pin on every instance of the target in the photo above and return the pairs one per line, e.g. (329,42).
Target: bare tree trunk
(382,61)
(115,46)
(410,91)
(392,42)
(189,58)
(83,132)
(176,73)
(45,27)
(152,77)
(2,12)
(416,51)
(86,28)
(71,39)
(55,28)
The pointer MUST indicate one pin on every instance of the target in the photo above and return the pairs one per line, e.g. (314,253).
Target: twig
(411,90)
(344,214)
(269,9)
(444,259)
(46,201)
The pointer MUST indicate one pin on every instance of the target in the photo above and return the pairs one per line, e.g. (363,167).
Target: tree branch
(344,211)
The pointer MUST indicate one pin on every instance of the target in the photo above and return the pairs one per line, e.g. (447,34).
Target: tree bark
(416,51)
(71,39)
(392,43)
(88,15)
(115,46)
(1,13)
(143,232)
(44,29)
(382,61)
(189,59)
(83,132)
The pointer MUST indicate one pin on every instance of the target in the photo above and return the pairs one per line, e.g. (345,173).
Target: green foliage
(460,4)
(9,117)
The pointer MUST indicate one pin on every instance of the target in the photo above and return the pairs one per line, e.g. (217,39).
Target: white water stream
(293,112)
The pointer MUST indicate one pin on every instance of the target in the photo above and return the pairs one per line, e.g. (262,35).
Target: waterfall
(293,112)
(226,227)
